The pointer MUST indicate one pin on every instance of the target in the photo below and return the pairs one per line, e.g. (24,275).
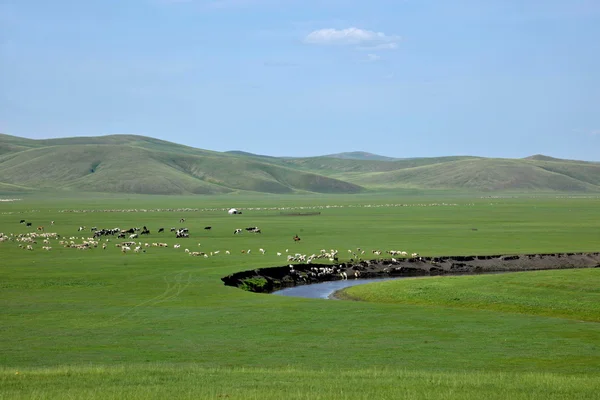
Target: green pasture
(101,324)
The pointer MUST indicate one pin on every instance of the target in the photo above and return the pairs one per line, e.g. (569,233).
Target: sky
(401,78)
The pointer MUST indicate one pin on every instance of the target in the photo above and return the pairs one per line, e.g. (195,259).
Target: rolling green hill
(151,167)
(483,174)
(138,164)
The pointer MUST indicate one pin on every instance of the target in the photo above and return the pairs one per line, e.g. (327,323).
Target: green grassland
(143,165)
(563,294)
(102,324)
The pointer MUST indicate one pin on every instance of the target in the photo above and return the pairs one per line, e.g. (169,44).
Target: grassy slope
(490,175)
(138,164)
(162,323)
(133,169)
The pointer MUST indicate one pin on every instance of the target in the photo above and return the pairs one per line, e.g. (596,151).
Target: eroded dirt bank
(267,280)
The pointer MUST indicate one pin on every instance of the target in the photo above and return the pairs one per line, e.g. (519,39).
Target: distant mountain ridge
(360,155)
(139,164)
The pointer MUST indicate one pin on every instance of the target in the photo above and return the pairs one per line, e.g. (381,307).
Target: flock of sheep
(27,241)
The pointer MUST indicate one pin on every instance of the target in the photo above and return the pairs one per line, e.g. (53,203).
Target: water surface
(324,290)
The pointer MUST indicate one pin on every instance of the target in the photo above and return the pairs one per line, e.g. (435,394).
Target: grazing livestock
(208,228)
(28,224)
(22,221)
(161,230)
(296,238)
(237,231)
(40,228)
(182,233)
(182,220)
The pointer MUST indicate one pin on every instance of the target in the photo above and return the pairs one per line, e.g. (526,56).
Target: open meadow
(99,323)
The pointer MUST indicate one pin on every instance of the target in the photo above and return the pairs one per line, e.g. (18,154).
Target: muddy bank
(267,280)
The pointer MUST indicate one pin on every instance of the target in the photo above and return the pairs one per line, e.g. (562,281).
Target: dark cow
(29,224)
(208,228)
(22,221)
(161,230)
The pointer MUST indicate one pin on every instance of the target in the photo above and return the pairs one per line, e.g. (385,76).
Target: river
(324,290)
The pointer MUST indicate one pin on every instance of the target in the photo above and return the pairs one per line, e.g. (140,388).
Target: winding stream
(325,290)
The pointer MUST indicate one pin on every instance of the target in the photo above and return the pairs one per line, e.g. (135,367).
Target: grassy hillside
(133,169)
(138,164)
(490,175)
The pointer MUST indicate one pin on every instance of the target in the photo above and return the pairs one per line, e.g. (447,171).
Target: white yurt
(232,211)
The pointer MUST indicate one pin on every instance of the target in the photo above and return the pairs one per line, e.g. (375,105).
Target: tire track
(175,285)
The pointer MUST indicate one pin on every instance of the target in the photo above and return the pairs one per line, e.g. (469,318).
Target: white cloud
(373,57)
(362,38)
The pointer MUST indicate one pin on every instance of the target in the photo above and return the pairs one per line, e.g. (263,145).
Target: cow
(237,231)
(182,220)
(29,224)
(161,230)
(22,221)
(296,238)
(208,228)
(40,228)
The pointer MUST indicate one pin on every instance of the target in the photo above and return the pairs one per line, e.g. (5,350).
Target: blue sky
(412,78)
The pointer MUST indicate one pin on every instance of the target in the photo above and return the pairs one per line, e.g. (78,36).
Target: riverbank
(270,279)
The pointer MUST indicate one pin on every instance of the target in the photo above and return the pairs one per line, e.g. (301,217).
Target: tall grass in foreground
(192,382)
